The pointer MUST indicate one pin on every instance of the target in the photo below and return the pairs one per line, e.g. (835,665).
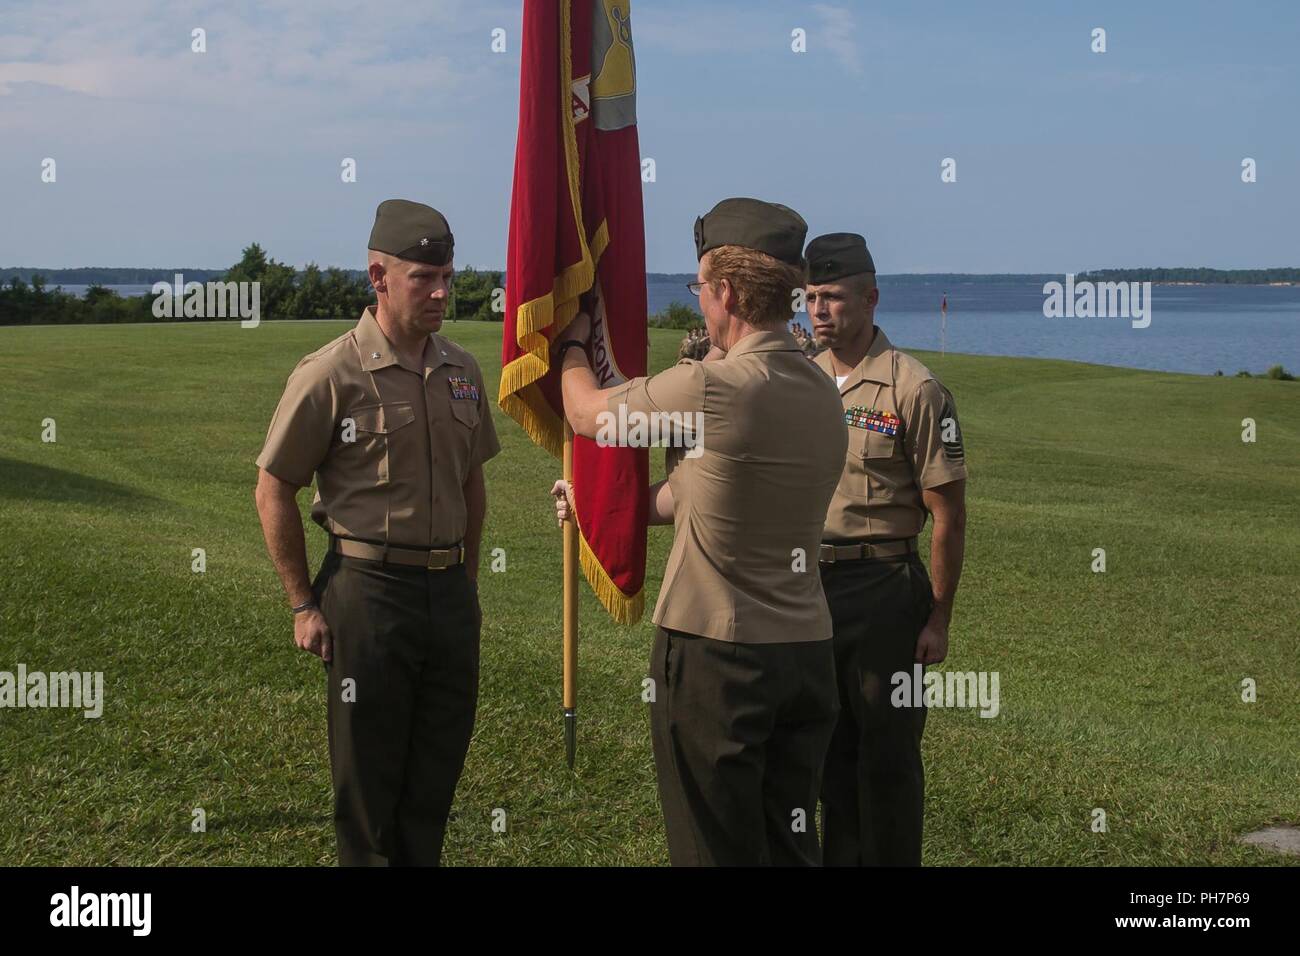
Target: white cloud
(837,35)
(286,57)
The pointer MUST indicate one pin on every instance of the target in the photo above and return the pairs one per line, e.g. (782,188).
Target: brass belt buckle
(448,557)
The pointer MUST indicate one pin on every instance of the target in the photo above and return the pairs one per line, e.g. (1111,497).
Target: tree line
(1204,276)
(284,293)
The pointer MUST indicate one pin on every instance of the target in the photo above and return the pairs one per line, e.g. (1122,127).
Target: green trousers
(402,690)
(739,734)
(873,789)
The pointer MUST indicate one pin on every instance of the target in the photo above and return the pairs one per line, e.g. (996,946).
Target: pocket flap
(879,445)
(466,412)
(382,419)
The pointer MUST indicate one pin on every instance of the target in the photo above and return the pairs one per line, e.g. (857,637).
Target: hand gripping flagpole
(570,611)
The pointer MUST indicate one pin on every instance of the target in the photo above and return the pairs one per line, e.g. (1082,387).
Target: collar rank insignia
(463,388)
(872,419)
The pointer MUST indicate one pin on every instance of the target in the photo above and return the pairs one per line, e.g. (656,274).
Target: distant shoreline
(54,278)
(1171,282)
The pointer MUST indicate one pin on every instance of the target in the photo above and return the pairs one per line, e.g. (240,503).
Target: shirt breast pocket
(378,429)
(882,464)
(465,412)
(459,434)
(853,480)
(879,445)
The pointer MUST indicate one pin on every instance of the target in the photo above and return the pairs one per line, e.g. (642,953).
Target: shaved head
(375,257)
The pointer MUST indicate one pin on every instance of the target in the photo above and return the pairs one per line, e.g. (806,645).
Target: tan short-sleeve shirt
(903,437)
(750,487)
(391,446)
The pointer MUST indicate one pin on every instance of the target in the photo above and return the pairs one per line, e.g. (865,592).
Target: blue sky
(1066,159)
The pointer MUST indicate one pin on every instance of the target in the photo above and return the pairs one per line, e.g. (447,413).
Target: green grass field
(1119,691)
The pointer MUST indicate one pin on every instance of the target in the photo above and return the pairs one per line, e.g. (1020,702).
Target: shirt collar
(780,341)
(438,354)
(377,352)
(876,366)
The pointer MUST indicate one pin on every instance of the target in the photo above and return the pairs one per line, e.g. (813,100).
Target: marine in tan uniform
(393,421)
(743,674)
(905,462)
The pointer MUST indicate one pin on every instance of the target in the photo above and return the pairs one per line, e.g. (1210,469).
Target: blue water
(1193,328)
(122,290)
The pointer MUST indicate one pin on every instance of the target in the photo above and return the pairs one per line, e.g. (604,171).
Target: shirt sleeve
(932,437)
(677,389)
(678,392)
(486,443)
(303,425)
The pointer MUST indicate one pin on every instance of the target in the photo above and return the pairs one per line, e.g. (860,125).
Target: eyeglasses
(694,287)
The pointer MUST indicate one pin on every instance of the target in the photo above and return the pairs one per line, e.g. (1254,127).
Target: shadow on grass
(22,480)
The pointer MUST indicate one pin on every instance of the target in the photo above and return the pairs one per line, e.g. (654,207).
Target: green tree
(277,282)
(472,293)
(103,305)
(677,316)
(251,266)
(310,300)
(15,303)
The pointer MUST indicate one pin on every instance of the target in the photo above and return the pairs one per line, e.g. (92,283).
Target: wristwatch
(570,343)
(305,606)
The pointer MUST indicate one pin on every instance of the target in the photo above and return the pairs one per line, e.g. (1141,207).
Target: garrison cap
(412,230)
(836,255)
(765,226)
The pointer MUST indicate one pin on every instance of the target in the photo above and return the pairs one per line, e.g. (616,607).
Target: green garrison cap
(412,230)
(836,255)
(766,226)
